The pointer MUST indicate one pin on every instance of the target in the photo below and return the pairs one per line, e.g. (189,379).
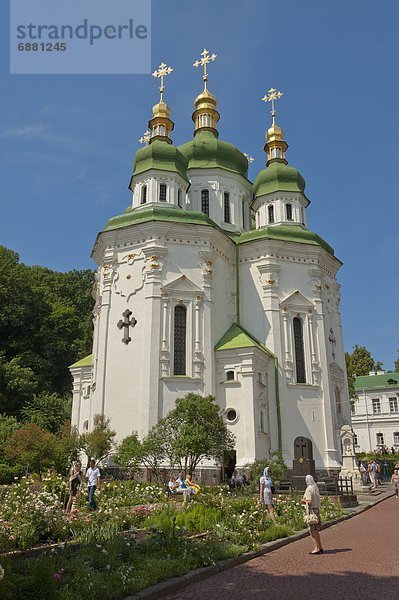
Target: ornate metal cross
(271,96)
(249,158)
(202,62)
(161,72)
(145,138)
(125,324)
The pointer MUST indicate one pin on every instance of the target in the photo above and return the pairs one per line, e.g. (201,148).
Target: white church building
(212,284)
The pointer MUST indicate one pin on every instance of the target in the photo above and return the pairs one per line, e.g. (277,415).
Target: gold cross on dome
(249,158)
(145,138)
(271,96)
(161,72)
(202,62)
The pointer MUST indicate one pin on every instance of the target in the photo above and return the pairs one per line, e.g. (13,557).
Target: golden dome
(161,110)
(205,100)
(275,134)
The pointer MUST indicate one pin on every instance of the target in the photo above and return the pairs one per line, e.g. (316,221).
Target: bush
(7,473)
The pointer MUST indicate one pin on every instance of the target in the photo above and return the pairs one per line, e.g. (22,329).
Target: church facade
(212,284)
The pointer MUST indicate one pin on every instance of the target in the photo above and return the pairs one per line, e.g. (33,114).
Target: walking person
(266,490)
(385,472)
(75,481)
(93,477)
(395,481)
(312,499)
(372,471)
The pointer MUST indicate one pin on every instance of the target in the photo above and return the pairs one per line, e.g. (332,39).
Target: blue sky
(67,142)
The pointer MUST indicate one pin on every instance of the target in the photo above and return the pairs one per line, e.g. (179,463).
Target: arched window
(288,208)
(299,351)
(143,194)
(179,355)
(271,213)
(229,375)
(86,426)
(179,198)
(226,207)
(162,192)
(205,202)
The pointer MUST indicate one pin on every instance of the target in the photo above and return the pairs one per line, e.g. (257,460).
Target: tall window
(179,198)
(271,214)
(143,194)
(288,208)
(302,216)
(393,405)
(355,440)
(226,207)
(380,439)
(376,406)
(179,354)
(162,192)
(243,215)
(205,202)
(396,438)
(299,351)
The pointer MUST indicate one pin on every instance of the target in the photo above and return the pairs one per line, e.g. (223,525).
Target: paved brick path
(360,562)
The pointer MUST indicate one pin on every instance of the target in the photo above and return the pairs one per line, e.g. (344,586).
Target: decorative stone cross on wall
(125,324)
(333,341)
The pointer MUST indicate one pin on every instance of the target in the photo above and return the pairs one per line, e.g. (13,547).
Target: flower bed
(173,538)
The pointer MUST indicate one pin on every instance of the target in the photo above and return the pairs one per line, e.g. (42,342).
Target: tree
(99,443)
(67,447)
(49,411)
(129,454)
(396,364)
(17,385)
(194,430)
(7,427)
(31,446)
(359,363)
(154,451)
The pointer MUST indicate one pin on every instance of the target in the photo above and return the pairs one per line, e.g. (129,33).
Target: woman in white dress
(265,492)
(311,497)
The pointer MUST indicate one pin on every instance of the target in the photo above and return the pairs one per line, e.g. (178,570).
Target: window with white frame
(288,208)
(396,438)
(230,375)
(143,199)
(162,192)
(179,203)
(270,211)
(226,200)
(376,404)
(355,440)
(179,340)
(205,202)
(380,439)
(300,368)
(393,405)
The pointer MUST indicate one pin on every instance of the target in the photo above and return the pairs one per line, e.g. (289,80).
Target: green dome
(160,155)
(206,151)
(278,177)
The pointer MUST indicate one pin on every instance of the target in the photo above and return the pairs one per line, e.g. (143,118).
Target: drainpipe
(238,316)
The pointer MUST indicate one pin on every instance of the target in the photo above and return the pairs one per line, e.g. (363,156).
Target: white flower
(1,572)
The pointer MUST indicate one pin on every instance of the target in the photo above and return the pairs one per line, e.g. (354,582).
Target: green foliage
(278,470)
(129,453)
(194,430)
(48,411)
(98,444)
(45,325)
(31,446)
(7,427)
(67,447)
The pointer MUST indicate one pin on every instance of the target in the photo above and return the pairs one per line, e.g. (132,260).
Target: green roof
(162,156)
(83,362)
(237,337)
(286,233)
(159,213)
(206,151)
(371,382)
(278,177)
